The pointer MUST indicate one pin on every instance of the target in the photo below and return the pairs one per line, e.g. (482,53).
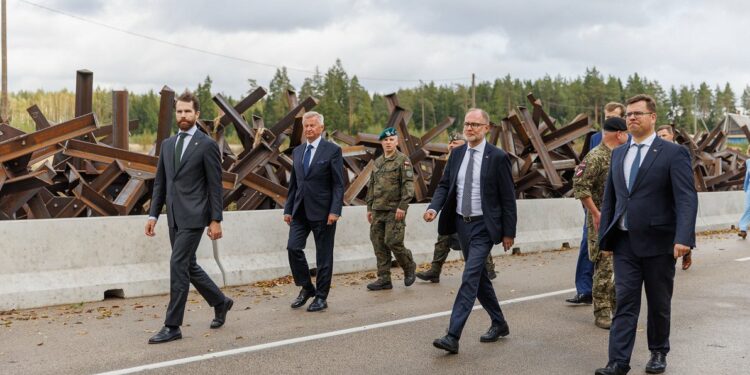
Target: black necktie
(178,148)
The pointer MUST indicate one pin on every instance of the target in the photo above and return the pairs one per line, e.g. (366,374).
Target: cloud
(387,43)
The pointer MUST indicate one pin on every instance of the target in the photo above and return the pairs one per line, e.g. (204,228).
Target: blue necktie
(633,174)
(634,167)
(306,159)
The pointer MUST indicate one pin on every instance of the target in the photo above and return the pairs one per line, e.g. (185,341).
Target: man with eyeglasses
(648,221)
(477,201)
(444,243)
(584,266)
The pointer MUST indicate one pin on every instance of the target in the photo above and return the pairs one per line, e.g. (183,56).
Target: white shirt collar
(191,131)
(479,147)
(316,142)
(648,141)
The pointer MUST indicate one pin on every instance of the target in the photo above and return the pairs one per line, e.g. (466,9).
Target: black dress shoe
(447,343)
(657,364)
(409,275)
(166,334)
(495,332)
(318,304)
(221,313)
(580,299)
(613,369)
(302,298)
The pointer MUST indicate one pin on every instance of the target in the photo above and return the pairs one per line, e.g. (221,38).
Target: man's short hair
(667,128)
(188,97)
(612,106)
(485,115)
(317,115)
(650,102)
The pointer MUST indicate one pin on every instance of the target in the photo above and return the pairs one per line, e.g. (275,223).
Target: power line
(214,53)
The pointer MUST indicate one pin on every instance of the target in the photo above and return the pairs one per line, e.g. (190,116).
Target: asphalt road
(392,331)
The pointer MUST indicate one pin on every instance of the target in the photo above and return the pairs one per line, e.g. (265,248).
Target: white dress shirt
(628,164)
(476,197)
(315,144)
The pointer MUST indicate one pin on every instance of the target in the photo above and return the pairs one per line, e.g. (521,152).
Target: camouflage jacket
(391,184)
(591,175)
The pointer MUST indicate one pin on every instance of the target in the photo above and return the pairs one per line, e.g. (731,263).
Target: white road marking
(743,259)
(296,340)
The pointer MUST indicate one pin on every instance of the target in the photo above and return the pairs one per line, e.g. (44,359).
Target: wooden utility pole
(473,91)
(4,112)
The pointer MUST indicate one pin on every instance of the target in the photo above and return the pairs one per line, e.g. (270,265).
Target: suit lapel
(618,158)
(195,140)
(653,152)
(169,155)
(459,160)
(485,166)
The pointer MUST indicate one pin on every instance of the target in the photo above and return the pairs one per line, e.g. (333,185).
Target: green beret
(387,132)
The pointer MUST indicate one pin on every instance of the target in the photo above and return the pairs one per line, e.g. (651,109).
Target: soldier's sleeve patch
(409,173)
(580,168)
(407,163)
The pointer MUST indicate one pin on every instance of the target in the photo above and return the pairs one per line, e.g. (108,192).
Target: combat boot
(409,275)
(380,284)
(431,275)
(603,320)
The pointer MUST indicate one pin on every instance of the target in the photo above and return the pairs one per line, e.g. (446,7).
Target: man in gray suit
(188,180)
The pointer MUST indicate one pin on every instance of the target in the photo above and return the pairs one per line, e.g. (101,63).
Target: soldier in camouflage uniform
(389,191)
(443,244)
(588,186)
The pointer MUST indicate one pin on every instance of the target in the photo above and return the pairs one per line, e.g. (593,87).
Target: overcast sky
(388,44)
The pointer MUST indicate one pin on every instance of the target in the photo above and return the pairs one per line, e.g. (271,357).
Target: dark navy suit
(660,211)
(310,199)
(478,236)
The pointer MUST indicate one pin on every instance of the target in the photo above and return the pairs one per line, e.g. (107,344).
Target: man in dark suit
(477,201)
(316,194)
(188,180)
(648,221)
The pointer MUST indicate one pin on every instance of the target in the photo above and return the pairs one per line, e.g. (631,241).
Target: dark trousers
(183,270)
(584,267)
(632,273)
(475,282)
(323,234)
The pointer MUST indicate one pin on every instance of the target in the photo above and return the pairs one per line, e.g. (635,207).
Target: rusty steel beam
(538,143)
(245,104)
(359,183)
(267,187)
(133,190)
(120,123)
(38,117)
(166,117)
(28,143)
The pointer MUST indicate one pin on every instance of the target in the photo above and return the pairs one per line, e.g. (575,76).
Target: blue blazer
(497,192)
(661,206)
(322,190)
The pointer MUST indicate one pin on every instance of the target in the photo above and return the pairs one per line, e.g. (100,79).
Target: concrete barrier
(61,261)
(719,210)
(50,262)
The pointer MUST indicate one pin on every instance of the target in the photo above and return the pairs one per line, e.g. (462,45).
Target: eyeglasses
(637,114)
(473,125)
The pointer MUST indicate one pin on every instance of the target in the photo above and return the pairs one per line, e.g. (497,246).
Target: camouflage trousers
(443,249)
(603,292)
(387,236)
